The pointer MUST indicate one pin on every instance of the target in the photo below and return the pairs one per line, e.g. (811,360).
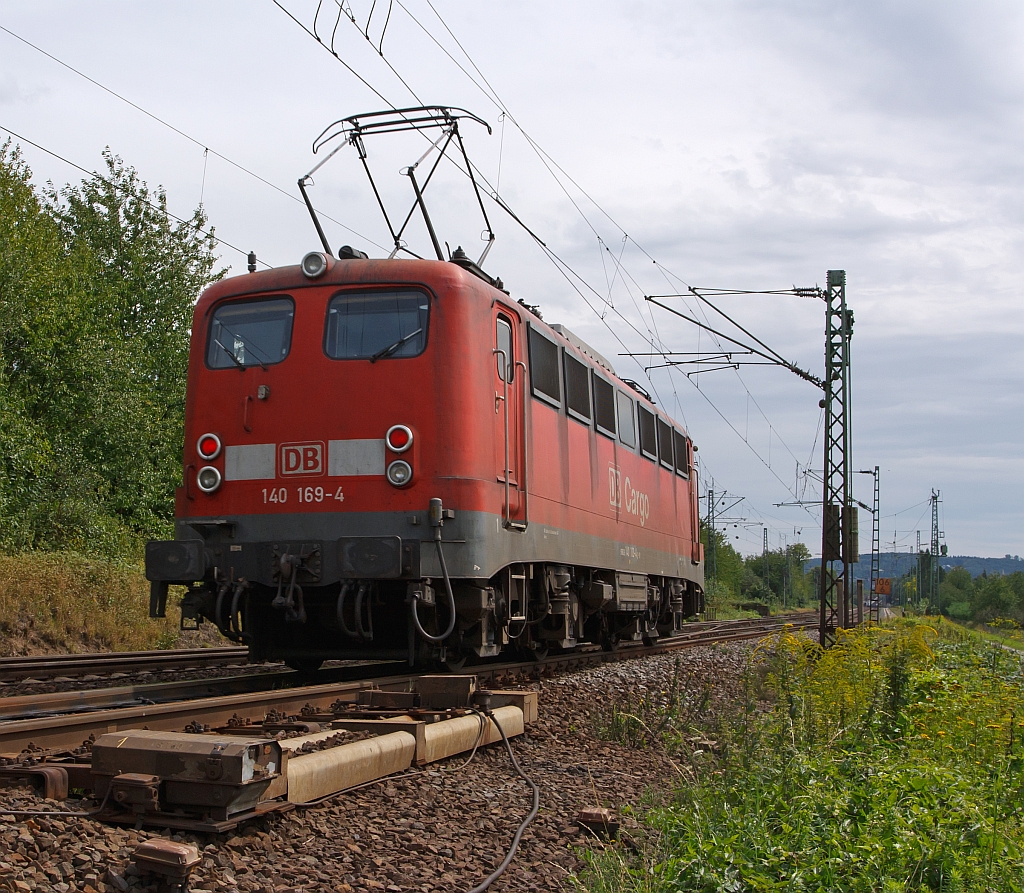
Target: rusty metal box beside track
(219,774)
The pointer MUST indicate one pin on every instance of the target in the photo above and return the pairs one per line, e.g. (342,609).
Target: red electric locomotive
(393,459)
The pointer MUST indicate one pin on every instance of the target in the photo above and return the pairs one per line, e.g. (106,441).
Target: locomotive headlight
(399,473)
(314,264)
(208,446)
(208,478)
(399,438)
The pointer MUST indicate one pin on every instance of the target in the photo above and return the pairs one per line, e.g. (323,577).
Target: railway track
(215,705)
(54,665)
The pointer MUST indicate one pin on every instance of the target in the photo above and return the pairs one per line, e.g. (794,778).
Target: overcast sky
(738,144)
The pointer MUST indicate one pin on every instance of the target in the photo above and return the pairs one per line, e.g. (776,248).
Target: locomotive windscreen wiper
(391,348)
(234,359)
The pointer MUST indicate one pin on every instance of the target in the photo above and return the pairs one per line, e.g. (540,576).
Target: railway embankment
(893,761)
(441,827)
(63,602)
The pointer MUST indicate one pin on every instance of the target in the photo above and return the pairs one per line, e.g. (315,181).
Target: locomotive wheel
(537,651)
(305,665)
(454,661)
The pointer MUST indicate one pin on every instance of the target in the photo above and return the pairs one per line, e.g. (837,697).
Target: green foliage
(892,761)
(786,576)
(97,285)
(742,579)
(728,569)
(983,599)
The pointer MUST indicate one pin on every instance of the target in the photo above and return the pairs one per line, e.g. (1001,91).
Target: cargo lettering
(622,495)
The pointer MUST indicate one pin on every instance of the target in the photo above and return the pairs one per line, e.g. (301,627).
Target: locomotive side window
(577,388)
(544,368)
(374,325)
(665,444)
(249,333)
(627,419)
(506,362)
(604,406)
(648,433)
(682,454)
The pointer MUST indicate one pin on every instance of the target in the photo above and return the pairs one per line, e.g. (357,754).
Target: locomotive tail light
(208,446)
(399,473)
(208,479)
(314,264)
(399,438)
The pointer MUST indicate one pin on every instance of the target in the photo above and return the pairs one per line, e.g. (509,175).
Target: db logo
(302,458)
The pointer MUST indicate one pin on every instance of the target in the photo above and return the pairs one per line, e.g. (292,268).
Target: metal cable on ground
(476,743)
(500,870)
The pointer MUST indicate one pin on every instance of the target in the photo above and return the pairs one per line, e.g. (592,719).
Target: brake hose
(448,589)
(351,633)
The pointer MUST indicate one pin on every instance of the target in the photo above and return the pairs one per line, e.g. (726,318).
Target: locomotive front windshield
(372,325)
(250,333)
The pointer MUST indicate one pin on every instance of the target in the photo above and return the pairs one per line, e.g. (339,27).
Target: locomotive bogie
(366,449)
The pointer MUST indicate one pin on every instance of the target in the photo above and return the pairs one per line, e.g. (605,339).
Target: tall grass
(63,601)
(892,761)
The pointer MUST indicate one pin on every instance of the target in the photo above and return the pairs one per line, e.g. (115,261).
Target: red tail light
(399,438)
(209,446)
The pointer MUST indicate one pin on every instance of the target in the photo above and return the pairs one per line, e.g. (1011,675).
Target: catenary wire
(209,233)
(493,96)
(181,133)
(559,262)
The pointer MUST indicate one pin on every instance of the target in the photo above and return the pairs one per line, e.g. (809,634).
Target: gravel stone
(440,829)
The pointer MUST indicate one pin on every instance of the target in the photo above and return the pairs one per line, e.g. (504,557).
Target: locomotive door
(508,374)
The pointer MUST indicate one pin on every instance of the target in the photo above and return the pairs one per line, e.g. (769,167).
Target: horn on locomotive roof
(356,128)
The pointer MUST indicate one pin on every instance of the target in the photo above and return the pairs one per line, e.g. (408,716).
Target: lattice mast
(933,575)
(839,515)
(711,559)
(876,554)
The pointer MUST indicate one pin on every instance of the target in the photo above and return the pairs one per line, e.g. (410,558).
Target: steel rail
(133,695)
(69,731)
(51,665)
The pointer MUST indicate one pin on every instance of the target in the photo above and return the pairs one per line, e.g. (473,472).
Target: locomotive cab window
(376,325)
(604,406)
(648,433)
(665,444)
(627,419)
(577,388)
(250,333)
(503,339)
(682,454)
(544,369)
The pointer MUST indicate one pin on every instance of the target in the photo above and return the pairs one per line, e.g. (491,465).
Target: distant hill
(895,564)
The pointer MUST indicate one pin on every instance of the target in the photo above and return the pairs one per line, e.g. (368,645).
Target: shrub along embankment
(60,601)
(893,761)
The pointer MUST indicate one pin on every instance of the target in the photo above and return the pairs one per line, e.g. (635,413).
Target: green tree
(728,570)
(97,285)
(785,575)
